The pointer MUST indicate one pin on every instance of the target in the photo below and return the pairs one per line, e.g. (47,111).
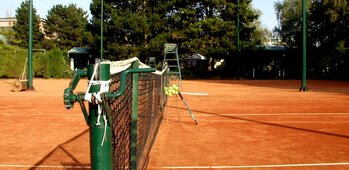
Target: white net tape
(119,66)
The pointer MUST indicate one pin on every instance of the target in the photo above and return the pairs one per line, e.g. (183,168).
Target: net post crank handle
(69,97)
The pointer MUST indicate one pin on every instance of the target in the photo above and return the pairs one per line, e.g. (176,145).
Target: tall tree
(328,42)
(133,27)
(329,28)
(125,27)
(329,18)
(289,15)
(21,28)
(66,26)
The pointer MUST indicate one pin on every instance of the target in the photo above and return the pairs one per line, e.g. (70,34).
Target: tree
(66,26)
(141,27)
(289,14)
(21,28)
(328,24)
(125,27)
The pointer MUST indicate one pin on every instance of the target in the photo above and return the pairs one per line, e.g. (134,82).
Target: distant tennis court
(256,125)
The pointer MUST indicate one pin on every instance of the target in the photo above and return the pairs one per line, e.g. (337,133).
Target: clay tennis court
(242,125)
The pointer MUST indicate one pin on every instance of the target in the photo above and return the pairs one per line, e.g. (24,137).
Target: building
(81,57)
(7,22)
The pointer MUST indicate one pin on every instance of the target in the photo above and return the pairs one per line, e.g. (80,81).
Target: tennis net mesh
(151,102)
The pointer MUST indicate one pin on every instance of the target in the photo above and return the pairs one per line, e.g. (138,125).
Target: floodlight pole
(30,48)
(304,50)
(238,39)
(102,4)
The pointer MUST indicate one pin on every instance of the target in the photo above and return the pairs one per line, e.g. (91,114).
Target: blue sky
(8,7)
(268,17)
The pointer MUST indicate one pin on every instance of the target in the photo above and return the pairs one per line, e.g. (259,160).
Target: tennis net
(151,102)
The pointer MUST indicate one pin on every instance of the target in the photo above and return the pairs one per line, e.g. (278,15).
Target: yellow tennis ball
(166,90)
(175,87)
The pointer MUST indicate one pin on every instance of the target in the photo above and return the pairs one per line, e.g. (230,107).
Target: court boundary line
(274,114)
(190,167)
(195,93)
(200,114)
(43,166)
(257,166)
(39,114)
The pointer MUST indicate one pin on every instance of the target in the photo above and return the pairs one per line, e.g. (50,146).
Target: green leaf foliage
(66,27)
(51,64)
(21,28)
(46,64)
(327,29)
(141,27)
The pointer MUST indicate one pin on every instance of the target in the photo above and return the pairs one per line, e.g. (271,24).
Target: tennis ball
(175,86)
(166,90)
(175,89)
(171,90)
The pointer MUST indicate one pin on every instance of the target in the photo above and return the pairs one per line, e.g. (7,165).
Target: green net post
(101,151)
(134,118)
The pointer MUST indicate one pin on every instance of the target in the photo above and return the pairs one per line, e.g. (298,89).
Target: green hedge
(46,64)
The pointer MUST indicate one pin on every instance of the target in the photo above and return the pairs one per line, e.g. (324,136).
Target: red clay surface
(242,125)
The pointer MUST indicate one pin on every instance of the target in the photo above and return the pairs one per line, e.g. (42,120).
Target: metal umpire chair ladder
(171,59)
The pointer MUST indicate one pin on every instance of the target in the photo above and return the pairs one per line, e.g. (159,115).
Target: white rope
(100,110)
(93,75)
(104,87)
(88,97)
(105,128)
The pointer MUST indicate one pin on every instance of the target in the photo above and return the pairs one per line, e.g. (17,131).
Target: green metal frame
(101,155)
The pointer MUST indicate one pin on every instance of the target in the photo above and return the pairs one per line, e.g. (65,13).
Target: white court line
(195,94)
(43,166)
(257,166)
(38,114)
(274,114)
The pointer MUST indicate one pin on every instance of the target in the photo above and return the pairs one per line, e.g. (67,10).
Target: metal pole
(304,31)
(238,39)
(134,118)
(30,48)
(102,13)
(100,151)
